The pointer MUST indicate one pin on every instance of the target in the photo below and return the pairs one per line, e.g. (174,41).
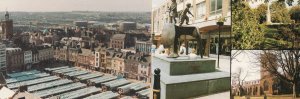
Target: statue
(171,34)
(173,11)
(184,16)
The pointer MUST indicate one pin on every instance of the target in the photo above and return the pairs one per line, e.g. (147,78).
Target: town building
(120,41)
(143,46)
(27,59)
(86,59)
(14,59)
(36,39)
(206,15)
(118,63)
(7,27)
(35,56)
(144,69)
(65,54)
(127,26)
(45,52)
(3,59)
(131,66)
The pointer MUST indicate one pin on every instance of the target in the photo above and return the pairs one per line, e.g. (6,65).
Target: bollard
(156,84)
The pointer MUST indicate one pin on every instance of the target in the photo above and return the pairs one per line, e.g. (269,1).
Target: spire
(6,15)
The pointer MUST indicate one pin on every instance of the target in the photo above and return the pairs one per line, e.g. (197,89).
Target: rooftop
(52,86)
(119,36)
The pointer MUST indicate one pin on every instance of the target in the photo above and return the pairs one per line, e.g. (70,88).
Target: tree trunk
(295,93)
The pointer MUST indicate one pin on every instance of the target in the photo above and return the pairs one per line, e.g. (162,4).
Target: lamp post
(219,23)
(156,84)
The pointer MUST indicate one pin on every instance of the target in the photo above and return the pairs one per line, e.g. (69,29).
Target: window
(201,10)
(215,7)
(266,86)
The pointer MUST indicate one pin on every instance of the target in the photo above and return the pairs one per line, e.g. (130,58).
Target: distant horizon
(75,5)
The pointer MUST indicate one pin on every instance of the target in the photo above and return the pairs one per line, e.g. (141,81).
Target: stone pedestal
(183,65)
(185,78)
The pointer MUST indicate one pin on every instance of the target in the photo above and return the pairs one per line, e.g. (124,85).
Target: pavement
(224,62)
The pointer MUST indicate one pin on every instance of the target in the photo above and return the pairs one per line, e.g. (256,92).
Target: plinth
(185,78)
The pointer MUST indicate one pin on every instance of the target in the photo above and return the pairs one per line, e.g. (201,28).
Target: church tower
(7,27)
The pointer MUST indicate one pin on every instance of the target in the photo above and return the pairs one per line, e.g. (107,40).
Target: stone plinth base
(186,86)
(183,65)
(185,78)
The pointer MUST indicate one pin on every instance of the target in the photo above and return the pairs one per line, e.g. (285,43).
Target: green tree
(279,12)
(295,13)
(245,27)
(261,12)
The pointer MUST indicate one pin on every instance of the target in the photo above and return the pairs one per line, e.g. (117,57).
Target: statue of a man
(184,16)
(173,11)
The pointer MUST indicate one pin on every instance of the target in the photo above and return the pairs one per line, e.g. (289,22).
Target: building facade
(3,58)
(45,52)
(206,14)
(143,46)
(131,67)
(127,26)
(14,59)
(86,59)
(119,41)
(103,59)
(27,59)
(118,64)
(144,69)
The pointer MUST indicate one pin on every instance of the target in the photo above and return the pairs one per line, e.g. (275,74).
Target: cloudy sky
(156,3)
(76,5)
(248,62)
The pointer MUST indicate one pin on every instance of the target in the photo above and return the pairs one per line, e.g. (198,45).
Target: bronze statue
(184,16)
(171,34)
(173,11)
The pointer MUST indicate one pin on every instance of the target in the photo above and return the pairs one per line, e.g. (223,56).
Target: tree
(284,64)
(245,27)
(261,12)
(238,78)
(295,13)
(279,12)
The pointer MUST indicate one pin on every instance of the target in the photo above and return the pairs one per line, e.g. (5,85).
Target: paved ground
(223,95)
(224,62)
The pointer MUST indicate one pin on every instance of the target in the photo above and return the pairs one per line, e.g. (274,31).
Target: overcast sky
(76,5)
(156,3)
(247,61)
